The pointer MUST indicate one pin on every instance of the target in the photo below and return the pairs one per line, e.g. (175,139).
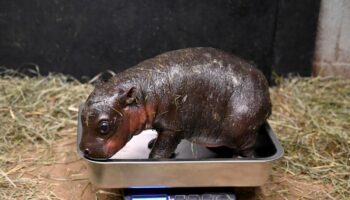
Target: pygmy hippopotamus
(203,95)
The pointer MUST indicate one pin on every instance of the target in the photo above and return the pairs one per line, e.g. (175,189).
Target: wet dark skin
(203,95)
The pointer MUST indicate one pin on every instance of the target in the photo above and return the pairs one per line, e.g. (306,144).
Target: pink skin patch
(212,145)
(113,145)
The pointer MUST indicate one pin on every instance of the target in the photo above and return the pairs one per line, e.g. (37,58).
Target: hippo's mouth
(96,158)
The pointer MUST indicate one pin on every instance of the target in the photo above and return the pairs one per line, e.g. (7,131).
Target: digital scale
(180,194)
(195,173)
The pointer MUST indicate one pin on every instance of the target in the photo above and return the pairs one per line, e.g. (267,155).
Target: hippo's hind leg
(247,148)
(165,145)
(242,141)
(240,128)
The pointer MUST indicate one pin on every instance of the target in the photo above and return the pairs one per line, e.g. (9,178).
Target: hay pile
(310,115)
(33,111)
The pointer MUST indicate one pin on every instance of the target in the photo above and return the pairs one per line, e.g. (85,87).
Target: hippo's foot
(173,155)
(160,154)
(248,153)
(151,145)
(164,146)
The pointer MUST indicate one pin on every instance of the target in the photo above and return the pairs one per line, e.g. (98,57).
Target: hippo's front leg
(165,145)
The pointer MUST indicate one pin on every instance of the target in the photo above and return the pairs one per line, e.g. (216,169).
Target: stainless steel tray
(193,166)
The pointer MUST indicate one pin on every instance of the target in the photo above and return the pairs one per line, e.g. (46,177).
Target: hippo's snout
(86,152)
(93,151)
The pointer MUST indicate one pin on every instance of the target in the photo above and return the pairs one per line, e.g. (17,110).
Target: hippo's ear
(128,96)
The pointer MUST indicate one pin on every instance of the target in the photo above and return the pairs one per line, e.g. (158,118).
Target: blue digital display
(149,198)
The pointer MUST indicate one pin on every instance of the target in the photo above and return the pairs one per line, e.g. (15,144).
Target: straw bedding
(310,116)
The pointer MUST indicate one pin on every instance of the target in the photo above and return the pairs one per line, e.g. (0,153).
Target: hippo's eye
(104,127)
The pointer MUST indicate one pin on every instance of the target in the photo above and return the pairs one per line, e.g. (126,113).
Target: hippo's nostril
(86,152)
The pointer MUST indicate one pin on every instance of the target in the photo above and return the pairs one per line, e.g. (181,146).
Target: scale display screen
(149,197)
(179,194)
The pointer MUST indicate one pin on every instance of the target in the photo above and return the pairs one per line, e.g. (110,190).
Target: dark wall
(86,37)
(294,41)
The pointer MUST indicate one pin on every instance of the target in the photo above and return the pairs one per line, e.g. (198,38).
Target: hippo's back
(202,61)
(201,85)
(222,99)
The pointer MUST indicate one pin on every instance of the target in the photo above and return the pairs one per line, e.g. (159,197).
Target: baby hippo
(203,95)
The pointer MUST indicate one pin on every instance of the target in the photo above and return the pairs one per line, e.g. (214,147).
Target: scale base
(179,194)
